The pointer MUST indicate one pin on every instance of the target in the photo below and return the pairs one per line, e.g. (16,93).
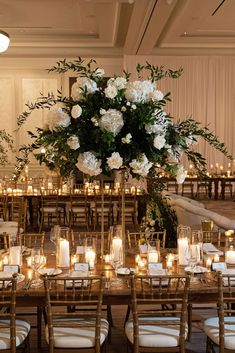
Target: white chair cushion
(22,331)
(156,336)
(211,328)
(49,209)
(78,337)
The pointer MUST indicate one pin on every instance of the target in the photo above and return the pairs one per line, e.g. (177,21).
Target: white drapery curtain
(205,92)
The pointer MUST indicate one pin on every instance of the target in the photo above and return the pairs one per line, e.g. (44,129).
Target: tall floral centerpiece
(113,124)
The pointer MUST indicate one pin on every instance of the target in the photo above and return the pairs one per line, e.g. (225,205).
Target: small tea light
(142,264)
(153,256)
(216,258)
(29,261)
(5,260)
(137,259)
(107,258)
(169,264)
(74,259)
(30,274)
(208,263)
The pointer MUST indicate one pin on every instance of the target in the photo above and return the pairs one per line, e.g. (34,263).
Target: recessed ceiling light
(4,41)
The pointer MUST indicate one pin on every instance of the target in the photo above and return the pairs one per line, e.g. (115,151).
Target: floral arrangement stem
(102,216)
(123,215)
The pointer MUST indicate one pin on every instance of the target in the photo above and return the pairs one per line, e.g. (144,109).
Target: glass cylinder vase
(116,245)
(63,249)
(183,243)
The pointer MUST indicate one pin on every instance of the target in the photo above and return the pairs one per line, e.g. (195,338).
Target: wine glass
(53,236)
(38,260)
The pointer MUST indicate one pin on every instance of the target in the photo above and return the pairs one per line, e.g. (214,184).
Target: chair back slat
(8,307)
(156,297)
(84,293)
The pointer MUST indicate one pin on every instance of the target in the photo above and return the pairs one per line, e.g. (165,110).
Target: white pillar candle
(216,258)
(169,264)
(30,189)
(117,248)
(208,263)
(50,186)
(90,258)
(5,260)
(64,256)
(230,256)
(152,256)
(15,255)
(183,251)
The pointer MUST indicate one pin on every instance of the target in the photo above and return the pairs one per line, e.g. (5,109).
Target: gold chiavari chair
(81,329)
(3,207)
(17,211)
(79,210)
(134,238)
(220,330)
(14,332)
(101,209)
(131,210)
(27,241)
(51,209)
(159,313)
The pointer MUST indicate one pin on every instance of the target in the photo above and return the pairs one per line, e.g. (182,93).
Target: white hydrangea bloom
(159,141)
(157,95)
(83,84)
(73,142)
(127,138)
(139,91)
(89,164)
(115,161)
(56,117)
(112,121)
(180,177)
(118,82)
(141,165)
(76,111)
(110,92)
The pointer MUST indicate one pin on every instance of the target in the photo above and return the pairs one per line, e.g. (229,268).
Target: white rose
(141,165)
(115,161)
(159,141)
(73,142)
(76,111)
(89,164)
(127,138)
(102,111)
(110,92)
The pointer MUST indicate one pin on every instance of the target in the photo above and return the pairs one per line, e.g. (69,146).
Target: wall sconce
(4,41)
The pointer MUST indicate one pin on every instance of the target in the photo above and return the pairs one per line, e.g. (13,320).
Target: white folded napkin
(209,248)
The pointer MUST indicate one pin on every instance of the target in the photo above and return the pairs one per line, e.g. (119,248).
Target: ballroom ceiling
(113,28)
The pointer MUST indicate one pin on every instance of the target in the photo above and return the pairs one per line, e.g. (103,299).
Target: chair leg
(39,325)
(128,310)
(190,309)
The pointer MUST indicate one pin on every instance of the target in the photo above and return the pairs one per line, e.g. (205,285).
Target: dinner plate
(124,271)
(8,274)
(50,271)
(196,269)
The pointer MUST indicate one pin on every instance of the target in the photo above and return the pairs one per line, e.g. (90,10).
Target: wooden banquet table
(203,288)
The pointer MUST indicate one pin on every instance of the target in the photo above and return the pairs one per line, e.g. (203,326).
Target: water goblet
(38,260)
